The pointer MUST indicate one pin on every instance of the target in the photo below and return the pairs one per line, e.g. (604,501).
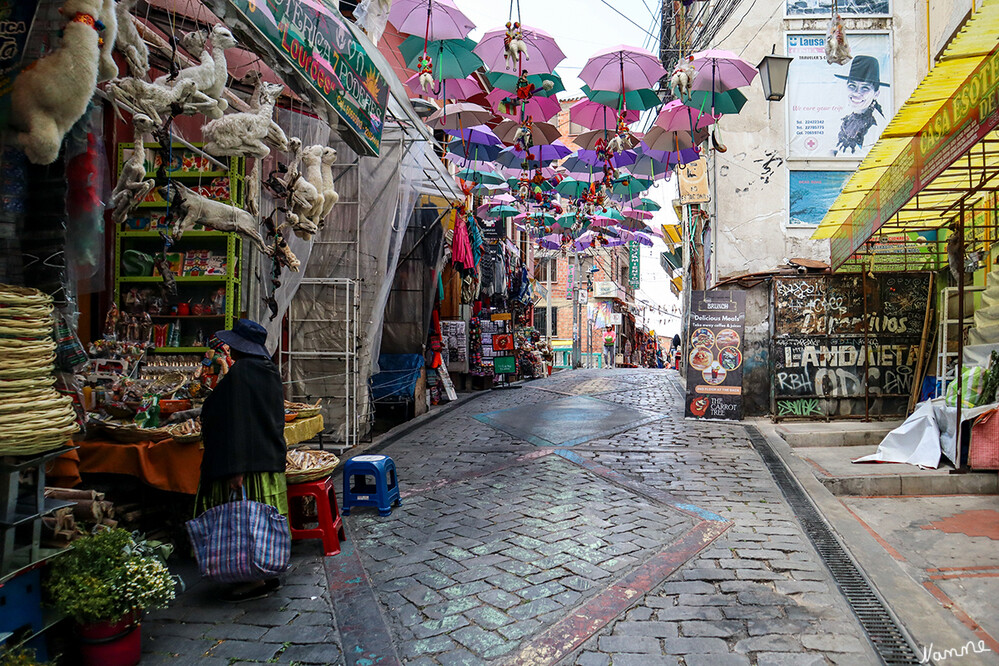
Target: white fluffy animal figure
(156,100)
(619,143)
(837,48)
(276,138)
(49,97)
(295,148)
(683,78)
(129,42)
(330,196)
(514,45)
(244,133)
(210,73)
(312,171)
(196,209)
(133,186)
(305,194)
(194,42)
(107,69)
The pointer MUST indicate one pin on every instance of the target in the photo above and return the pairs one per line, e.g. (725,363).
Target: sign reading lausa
(313,38)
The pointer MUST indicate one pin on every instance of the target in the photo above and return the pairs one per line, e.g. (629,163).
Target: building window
(546,269)
(540,320)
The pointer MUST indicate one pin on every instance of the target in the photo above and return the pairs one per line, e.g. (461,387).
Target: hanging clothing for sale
(461,247)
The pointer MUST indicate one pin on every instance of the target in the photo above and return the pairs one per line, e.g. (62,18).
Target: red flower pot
(111,643)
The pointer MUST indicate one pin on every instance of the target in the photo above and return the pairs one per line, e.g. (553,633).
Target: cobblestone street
(576,520)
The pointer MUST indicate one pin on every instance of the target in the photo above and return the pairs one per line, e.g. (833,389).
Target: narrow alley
(577,519)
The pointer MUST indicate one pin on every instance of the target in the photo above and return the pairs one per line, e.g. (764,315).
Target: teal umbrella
(514,183)
(647,204)
(503,211)
(570,187)
(642,99)
(569,219)
(508,82)
(482,177)
(630,187)
(706,101)
(452,58)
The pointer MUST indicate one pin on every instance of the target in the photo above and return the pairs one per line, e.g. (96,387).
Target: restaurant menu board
(714,355)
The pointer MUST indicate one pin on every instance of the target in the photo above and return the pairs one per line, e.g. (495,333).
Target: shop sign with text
(714,355)
(634,264)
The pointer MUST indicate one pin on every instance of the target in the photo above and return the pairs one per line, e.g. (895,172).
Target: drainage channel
(883,630)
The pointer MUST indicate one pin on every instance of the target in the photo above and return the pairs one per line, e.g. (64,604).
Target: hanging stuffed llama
(244,133)
(133,186)
(155,100)
(51,95)
(129,42)
(107,69)
(191,208)
(210,73)
(514,45)
(276,138)
(330,196)
(683,77)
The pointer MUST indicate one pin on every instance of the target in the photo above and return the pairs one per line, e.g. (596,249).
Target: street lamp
(773,74)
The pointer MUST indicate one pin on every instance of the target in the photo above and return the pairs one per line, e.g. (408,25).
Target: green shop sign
(634,264)
(312,37)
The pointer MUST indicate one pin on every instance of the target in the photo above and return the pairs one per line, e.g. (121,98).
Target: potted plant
(104,583)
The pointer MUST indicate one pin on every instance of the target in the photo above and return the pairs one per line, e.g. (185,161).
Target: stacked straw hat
(34,417)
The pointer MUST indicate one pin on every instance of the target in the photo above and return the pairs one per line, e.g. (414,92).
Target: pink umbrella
(543,54)
(541,133)
(450,88)
(675,117)
(622,68)
(433,19)
(550,242)
(537,108)
(597,116)
(636,214)
(720,70)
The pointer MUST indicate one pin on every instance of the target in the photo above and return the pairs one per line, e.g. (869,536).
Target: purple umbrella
(460,89)
(622,68)
(513,158)
(480,134)
(543,54)
(641,237)
(553,151)
(720,70)
(537,108)
(593,158)
(432,19)
(676,117)
(597,116)
(550,242)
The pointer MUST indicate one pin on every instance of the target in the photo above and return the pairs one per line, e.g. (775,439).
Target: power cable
(625,17)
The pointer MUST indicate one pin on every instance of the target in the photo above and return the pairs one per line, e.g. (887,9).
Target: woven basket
(17,403)
(23,296)
(304,465)
(17,385)
(26,372)
(38,444)
(129,433)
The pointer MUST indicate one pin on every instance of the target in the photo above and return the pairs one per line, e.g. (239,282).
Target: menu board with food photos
(714,355)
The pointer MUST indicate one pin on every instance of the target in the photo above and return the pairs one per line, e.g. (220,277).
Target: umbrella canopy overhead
(660,139)
(642,99)
(452,58)
(482,134)
(544,53)
(537,108)
(432,19)
(717,102)
(630,187)
(594,116)
(483,177)
(570,187)
(647,167)
(541,132)
(721,70)
(594,159)
(456,116)
(675,117)
(509,82)
(622,68)
(448,88)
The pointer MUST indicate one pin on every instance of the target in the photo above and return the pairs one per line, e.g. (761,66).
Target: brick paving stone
(593,659)
(312,654)
(251,650)
(715,660)
(643,644)
(789,659)
(627,659)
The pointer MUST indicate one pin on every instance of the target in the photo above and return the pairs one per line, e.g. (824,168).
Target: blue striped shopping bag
(241,541)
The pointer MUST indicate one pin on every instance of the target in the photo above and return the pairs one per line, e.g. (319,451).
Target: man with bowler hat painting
(863,85)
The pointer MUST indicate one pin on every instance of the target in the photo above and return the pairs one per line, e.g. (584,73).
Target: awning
(676,285)
(672,233)
(938,150)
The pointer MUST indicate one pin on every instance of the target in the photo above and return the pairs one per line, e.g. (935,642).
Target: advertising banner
(837,111)
(714,355)
(811,194)
(826,8)
(634,264)
(312,38)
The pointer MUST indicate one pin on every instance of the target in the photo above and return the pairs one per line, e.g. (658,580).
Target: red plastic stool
(330,528)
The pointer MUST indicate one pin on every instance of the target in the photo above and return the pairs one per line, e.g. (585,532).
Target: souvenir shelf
(205,262)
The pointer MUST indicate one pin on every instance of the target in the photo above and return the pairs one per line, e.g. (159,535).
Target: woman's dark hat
(864,68)
(246,336)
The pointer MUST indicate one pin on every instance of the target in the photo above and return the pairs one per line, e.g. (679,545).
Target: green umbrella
(508,82)
(503,211)
(452,58)
(706,101)
(477,176)
(642,99)
(570,187)
(630,187)
(647,204)
(612,213)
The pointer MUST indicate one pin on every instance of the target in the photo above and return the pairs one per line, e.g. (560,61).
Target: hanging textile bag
(984,453)
(241,541)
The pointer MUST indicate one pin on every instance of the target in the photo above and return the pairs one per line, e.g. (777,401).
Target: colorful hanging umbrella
(456,116)
(537,108)
(482,134)
(542,50)
(659,139)
(630,187)
(642,99)
(675,117)
(570,187)
(481,163)
(452,58)
(594,116)
(637,214)
(593,158)
(514,159)
(509,82)
(477,176)
(647,167)
(719,70)
(719,102)
(646,204)
(642,238)
(622,68)
(485,189)
(432,19)
(502,212)
(448,88)
(550,242)
(541,133)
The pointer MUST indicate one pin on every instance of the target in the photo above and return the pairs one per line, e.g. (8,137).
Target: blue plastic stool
(358,491)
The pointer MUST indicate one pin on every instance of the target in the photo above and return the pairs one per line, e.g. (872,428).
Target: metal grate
(883,630)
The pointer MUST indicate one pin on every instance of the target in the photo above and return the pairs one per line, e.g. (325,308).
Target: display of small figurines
(214,365)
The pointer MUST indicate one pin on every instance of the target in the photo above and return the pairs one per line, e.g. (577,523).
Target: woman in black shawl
(242,427)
